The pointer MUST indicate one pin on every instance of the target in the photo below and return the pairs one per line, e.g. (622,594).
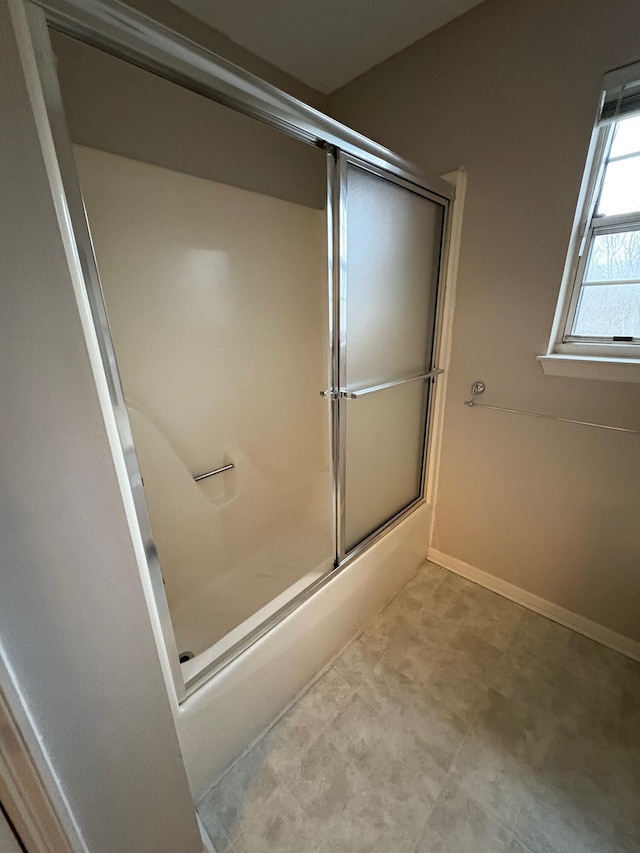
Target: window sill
(591,367)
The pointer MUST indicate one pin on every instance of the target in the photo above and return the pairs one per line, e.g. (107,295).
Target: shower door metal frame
(119,30)
(340,394)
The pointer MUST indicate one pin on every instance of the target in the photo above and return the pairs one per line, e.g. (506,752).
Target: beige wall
(80,665)
(510,89)
(164,12)
(116,107)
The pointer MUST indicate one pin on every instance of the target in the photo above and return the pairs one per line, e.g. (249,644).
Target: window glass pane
(614,257)
(605,310)
(627,137)
(621,188)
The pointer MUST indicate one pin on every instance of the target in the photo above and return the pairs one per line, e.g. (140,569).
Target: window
(598,317)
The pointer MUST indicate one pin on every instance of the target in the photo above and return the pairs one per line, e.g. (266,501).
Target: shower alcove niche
(264,286)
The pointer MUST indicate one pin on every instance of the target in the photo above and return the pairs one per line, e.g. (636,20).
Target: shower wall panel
(217,302)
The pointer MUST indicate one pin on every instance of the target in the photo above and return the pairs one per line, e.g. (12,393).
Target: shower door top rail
(133,36)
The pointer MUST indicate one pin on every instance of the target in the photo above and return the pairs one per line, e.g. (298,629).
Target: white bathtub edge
(231,710)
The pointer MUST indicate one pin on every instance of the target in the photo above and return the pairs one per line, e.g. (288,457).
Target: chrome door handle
(362,392)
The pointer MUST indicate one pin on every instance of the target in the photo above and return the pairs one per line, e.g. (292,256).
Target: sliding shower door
(206,241)
(391,236)
(209,231)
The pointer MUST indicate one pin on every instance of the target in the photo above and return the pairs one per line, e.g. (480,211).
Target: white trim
(580,222)
(594,348)
(29,788)
(591,367)
(449,283)
(595,360)
(618,642)
(618,77)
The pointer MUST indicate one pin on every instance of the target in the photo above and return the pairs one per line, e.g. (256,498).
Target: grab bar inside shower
(214,472)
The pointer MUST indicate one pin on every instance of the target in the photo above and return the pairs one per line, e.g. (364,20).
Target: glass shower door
(209,230)
(390,259)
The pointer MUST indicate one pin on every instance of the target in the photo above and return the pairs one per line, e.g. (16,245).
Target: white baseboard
(609,638)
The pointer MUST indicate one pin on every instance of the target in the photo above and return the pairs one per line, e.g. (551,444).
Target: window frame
(591,226)
(566,350)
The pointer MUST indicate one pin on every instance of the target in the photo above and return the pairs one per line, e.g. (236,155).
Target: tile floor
(457,721)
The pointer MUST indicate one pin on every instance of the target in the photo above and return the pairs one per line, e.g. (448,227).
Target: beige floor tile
(432,729)
(518,847)
(456,722)
(214,828)
(459,825)
(388,690)
(378,633)
(461,679)
(356,662)
(452,591)
(394,841)
(491,777)
(324,781)
(540,632)
(519,729)
(551,823)
(240,794)
(357,733)
(285,744)
(411,781)
(415,659)
(594,780)
(493,623)
(281,826)
(358,826)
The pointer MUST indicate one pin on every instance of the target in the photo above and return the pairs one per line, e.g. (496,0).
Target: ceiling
(325,44)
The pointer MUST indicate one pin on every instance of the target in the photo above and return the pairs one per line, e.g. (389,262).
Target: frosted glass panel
(385,440)
(393,239)
(392,263)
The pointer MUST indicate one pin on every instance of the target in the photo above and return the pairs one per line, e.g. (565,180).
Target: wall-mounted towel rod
(479,387)
(215,471)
